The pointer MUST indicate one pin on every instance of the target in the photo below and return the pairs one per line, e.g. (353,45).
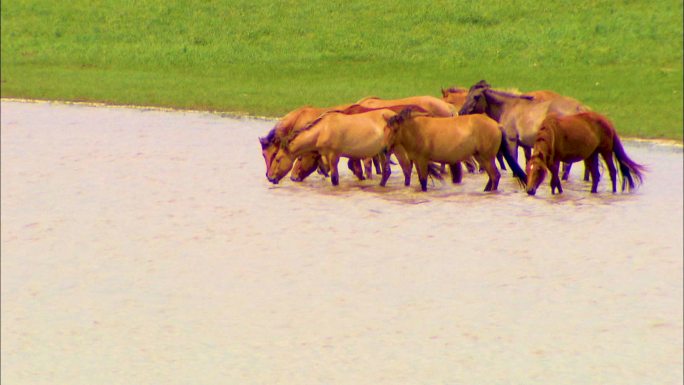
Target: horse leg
(456,172)
(386,170)
(322,167)
(555,180)
(566,170)
(586,172)
(368,167)
(355,166)
(405,163)
(528,153)
(592,163)
(492,172)
(612,171)
(442,168)
(470,164)
(333,159)
(422,170)
(500,158)
(378,166)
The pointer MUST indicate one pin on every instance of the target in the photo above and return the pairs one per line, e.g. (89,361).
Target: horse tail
(627,165)
(434,171)
(515,167)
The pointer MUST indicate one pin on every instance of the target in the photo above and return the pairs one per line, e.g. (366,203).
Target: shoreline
(236,115)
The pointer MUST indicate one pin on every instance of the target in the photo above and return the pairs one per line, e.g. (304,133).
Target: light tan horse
(519,115)
(333,135)
(432,105)
(451,140)
(296,120)
(578,137)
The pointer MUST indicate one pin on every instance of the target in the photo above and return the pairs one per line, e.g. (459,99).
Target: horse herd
(475,126)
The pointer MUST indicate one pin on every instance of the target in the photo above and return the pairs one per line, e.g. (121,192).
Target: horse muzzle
(531,191)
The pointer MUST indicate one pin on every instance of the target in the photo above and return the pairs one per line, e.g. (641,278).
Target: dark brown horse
(519,115)
(574,138)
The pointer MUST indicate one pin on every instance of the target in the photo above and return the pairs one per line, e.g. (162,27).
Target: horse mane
(509,94)
(406,113)
(455,90)
(481,84)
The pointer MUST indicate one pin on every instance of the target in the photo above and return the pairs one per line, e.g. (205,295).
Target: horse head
(455,96)
(269,147)
(304,166)
(280,166)
(536,172)
(475,101)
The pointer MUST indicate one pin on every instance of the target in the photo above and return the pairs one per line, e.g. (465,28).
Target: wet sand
(147,247)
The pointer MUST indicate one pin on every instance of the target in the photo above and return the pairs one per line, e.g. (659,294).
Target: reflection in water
(135,243)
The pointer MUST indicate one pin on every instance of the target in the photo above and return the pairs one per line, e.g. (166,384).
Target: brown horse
(578,137)
(333,135)
(450,140)
(519,115)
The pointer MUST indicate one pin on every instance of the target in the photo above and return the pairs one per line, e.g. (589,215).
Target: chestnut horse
(519,115)
(333,135)
(578,137)
(451,140)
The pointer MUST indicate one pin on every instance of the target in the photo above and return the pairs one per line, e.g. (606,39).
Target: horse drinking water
(578,137)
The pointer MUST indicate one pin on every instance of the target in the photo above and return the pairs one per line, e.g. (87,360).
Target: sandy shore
(146,247)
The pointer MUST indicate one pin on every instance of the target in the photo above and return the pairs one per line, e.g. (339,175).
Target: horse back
(575,137)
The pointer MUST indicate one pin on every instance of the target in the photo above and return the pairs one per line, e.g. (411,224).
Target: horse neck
(500,103)
(545,144)
(408,135)
(304,141)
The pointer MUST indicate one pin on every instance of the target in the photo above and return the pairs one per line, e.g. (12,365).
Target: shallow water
(143,246)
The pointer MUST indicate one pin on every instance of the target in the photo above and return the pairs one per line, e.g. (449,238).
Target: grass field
(622,58)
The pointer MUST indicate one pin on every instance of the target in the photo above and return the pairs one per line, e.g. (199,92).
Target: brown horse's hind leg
(500,158)
(355,167)
(592,163)
(566,170)
(456,172)
(334,173)
(612,171)
(422,170)
(378,166)
(404,162)
(368,167)
(492,172)
(386,170)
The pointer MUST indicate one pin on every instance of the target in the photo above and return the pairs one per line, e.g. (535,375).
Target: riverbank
(263,58)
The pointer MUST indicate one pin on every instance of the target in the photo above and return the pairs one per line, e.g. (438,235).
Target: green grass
(623,58)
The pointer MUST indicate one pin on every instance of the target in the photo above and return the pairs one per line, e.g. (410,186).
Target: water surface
(147,247)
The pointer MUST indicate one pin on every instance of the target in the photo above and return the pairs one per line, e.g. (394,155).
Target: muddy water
(147,247)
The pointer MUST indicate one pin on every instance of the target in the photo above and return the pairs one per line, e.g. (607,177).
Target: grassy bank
(623,58)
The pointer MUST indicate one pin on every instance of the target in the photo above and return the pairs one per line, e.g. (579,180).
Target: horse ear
(444,92)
